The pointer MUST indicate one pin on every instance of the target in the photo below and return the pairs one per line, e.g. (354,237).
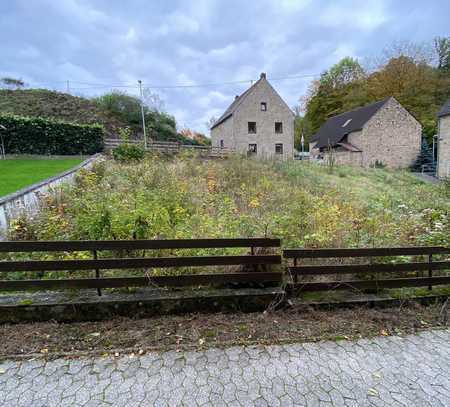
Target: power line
(182,86)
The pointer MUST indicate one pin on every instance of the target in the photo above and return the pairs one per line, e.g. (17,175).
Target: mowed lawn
(19,173)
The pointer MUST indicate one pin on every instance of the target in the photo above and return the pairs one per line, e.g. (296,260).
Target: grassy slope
(369,186)
(17,174)
(54,105)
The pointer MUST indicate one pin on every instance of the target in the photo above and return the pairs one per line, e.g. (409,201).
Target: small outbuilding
(382,133)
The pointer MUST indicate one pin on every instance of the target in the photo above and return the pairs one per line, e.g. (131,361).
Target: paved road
(386,371)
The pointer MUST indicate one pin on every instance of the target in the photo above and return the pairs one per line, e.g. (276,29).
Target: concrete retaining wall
(27,199)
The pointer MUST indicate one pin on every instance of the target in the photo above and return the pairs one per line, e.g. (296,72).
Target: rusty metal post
(430,270)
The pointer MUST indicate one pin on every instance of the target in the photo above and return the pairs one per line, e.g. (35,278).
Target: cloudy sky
(97,44)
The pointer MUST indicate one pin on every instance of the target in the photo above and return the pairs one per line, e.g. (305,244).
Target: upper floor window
(263,106)
(279,148)
(252,127)
(278,127)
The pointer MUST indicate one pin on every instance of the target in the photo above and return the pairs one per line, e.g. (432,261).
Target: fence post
(430,270)
(97,271)
(295,275)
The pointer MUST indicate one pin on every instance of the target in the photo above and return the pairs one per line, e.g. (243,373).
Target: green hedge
(35,135)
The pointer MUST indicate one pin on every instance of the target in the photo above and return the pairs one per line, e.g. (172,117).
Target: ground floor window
(252,149)
(221,144)
(279,148)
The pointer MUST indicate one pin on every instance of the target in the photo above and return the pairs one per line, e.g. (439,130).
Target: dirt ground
(199,331)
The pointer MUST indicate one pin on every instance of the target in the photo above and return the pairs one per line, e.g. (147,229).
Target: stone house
(443,161)
(258,123)
(383,133)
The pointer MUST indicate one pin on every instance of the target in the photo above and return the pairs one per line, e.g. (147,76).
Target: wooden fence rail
(371,270)
(142,263)
(256,264)
(173,147)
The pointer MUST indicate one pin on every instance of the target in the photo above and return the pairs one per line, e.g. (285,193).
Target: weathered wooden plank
(135,263)
(368,268)
(364,252)
(371,284)
(169,281)
(82,245)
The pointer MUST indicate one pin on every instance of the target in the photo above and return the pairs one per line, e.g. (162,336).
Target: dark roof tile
(236,102)
(337,127)
(445,110)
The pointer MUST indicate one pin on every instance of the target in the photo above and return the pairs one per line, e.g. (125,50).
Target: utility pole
(142,113)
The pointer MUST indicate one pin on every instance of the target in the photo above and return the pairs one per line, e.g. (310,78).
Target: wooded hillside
(417,76)
(113,110)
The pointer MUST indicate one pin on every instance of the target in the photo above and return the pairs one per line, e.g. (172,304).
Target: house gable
(258,117)
(392,136)
(339,126)
(385,133)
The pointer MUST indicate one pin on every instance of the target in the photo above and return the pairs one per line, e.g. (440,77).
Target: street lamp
(302,141)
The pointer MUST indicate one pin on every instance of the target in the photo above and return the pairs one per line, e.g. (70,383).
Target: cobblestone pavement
(385,371)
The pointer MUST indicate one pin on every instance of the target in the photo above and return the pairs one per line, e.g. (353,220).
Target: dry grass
(199,331)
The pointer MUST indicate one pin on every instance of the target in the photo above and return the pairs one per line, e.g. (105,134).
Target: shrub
(128,152)
(35,135)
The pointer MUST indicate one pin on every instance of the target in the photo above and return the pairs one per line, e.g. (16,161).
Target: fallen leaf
(45,350)
(372,392)
(95,334)
(2,371)
(201,341)
(384,332)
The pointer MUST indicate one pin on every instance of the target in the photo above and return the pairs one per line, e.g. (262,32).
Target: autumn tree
(442,50)
(340,88)
(417,75)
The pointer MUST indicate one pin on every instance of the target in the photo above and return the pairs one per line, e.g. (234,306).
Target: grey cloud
(201,42)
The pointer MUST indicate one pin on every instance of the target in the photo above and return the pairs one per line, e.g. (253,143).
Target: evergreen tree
(425,159)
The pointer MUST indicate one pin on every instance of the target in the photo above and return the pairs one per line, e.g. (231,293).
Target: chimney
(236,97)
(263,75)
